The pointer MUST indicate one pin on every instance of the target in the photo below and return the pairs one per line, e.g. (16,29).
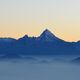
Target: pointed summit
(46,32)
(48,36)
(25,36)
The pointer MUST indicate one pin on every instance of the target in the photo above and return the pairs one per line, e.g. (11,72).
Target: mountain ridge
(46,31)
(45,44)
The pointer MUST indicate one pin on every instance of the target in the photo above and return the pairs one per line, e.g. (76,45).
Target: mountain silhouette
(11,56)
(45,44)
(77,60)
(48,36)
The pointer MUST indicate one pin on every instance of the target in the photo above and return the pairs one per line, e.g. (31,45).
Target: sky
(20,17)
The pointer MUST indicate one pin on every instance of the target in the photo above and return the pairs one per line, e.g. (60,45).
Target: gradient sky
(20,17)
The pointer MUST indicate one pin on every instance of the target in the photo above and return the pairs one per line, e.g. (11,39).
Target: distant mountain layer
(77,60)
(46,44)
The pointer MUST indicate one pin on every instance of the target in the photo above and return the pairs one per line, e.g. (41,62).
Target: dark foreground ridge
(46,44)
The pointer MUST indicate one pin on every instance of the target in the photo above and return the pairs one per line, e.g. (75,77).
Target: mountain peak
(48,36)
(45,36)
(25,36)
(46,32)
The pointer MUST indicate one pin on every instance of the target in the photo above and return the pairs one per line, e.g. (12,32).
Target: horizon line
(38,36)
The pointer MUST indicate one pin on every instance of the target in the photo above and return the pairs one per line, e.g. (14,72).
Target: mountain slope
(48,36)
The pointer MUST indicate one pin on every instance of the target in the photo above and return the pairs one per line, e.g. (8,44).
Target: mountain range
(45,44)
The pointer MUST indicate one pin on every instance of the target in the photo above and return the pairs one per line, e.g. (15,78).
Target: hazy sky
(20,17)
